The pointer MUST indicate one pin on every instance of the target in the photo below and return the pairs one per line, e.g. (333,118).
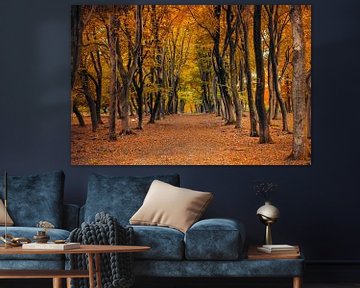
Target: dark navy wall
(318,204)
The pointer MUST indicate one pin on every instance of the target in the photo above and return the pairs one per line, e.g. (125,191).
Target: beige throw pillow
(9,221)
(170,206)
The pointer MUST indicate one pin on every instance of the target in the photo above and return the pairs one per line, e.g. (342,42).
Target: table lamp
(268,214)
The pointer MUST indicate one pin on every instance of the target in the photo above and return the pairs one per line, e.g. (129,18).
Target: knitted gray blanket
(116,268)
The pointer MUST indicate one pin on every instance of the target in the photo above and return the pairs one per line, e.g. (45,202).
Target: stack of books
(278,249)
(273,252)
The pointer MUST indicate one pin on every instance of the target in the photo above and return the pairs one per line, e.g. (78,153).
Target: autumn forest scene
(191,85)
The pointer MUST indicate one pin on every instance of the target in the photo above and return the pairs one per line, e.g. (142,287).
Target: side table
(93,251)
(289,259)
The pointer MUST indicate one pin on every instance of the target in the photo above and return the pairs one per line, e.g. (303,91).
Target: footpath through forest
(183,139)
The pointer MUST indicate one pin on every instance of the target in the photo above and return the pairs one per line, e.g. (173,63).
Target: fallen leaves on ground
(182,139)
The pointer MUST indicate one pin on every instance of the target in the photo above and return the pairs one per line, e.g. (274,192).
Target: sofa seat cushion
(214,239)
(166,243)
(35,198)
(121,197)
(29,232)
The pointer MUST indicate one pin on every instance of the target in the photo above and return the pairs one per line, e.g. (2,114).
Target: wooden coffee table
(92,251)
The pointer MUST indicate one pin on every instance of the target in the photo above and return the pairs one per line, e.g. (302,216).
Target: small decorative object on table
(41,236)
(268,213)
(11,241)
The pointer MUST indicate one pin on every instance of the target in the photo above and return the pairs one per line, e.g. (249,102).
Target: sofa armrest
(215,239)
(71,216)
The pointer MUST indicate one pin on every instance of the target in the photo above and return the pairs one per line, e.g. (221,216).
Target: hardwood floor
(241,284)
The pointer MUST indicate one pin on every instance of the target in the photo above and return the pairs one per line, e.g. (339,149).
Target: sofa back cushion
(35,198)
(121,197)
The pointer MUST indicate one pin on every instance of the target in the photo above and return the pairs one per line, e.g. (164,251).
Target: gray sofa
(32,199)
(210,248)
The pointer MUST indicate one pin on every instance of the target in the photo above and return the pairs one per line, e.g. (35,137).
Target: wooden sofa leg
(297,282)
(57,283)
(68,282)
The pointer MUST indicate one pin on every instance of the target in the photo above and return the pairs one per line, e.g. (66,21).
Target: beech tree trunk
(158,59)
(288,95)
(253,122)
(164,85)
(78,115)
(299,150)
(89,99)
(276,109)
(178,49)
(220,70)
(97,79)
(215,97)
(113,76)
(274,68)
(272,100)
(172,59)
(98,69)
(124,104)
(77,26)
(260,81)
(127,71)
(76,34)
(233,41)
(138,82)
(205,103)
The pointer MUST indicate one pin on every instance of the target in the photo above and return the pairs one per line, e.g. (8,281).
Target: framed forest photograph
(191,85)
